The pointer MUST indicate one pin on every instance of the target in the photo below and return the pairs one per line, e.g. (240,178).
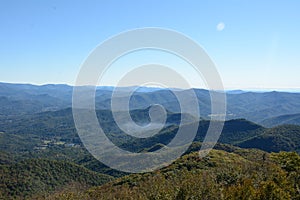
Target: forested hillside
(40,177)
(55,129)
(241,174)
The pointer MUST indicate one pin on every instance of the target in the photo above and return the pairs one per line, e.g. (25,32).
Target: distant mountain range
(282,119)
(259,107)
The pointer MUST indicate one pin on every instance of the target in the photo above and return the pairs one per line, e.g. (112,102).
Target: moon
(220,26)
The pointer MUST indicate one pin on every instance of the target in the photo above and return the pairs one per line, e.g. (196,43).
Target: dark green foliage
(270,143)
(5,158)
(281,138)
(238,130)
(78,155)
(34,176)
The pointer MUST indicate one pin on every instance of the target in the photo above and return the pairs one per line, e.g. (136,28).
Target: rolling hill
(39,177)
(282,119)
(280,138)
(53,128)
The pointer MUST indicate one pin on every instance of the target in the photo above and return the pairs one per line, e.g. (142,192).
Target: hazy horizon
(297,90)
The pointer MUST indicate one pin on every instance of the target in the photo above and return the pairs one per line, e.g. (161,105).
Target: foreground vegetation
(241,174)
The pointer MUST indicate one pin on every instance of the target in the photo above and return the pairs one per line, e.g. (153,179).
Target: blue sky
(47,41)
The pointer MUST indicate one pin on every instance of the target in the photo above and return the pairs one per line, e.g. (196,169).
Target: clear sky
(255,44)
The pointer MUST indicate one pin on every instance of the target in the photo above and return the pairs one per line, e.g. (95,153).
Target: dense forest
(39,177)
(240,174)
(226,173)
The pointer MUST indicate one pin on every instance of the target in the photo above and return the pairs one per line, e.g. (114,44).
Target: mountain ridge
(25,99)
